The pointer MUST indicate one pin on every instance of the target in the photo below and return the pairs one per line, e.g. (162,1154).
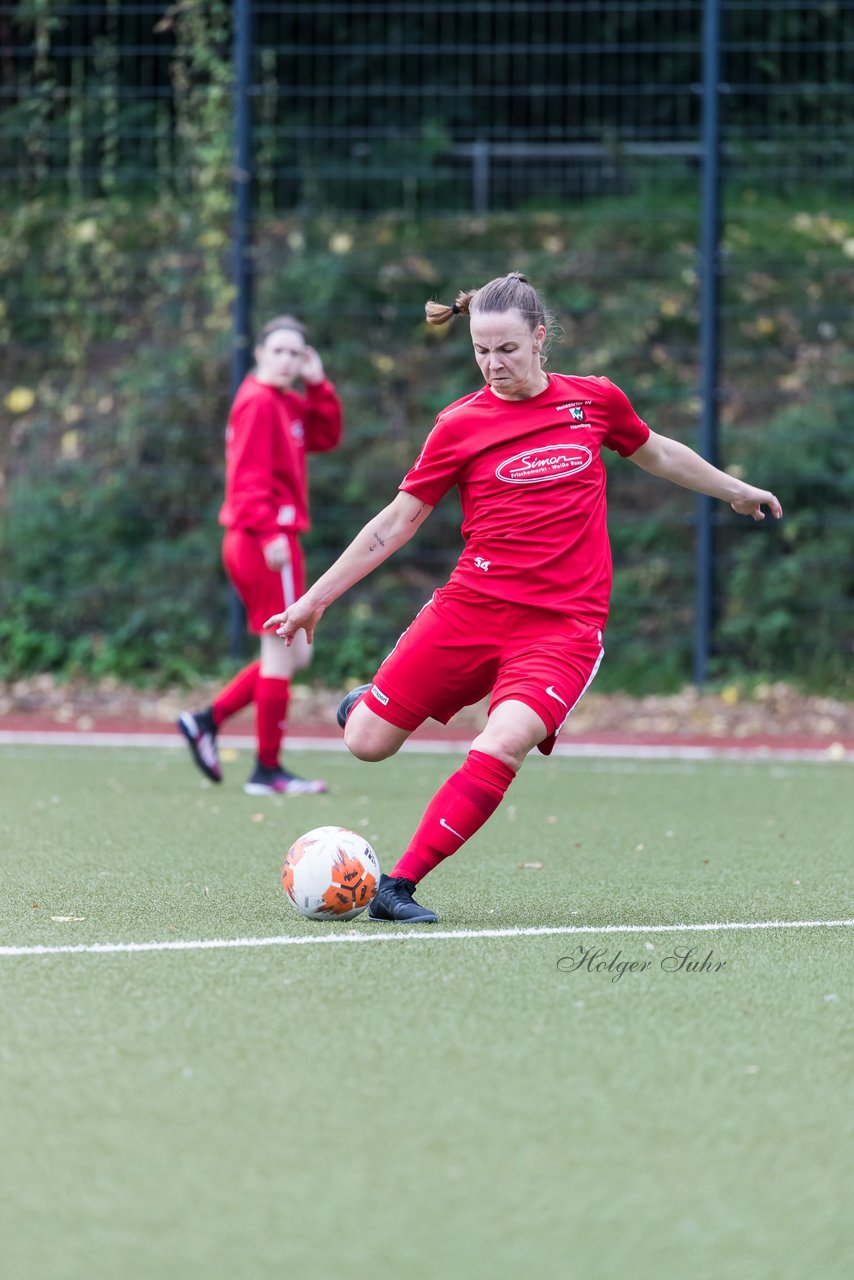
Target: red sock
(459,808)
(271,708)
(237,694)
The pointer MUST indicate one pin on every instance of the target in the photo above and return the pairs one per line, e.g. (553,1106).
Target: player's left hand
(751,503)
(300,616)
(312,367)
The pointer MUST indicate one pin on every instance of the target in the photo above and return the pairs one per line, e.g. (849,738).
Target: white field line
(587,750)
(424,934)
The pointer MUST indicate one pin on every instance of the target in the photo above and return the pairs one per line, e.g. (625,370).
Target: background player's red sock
(271,708)
(237,694)
(459,808)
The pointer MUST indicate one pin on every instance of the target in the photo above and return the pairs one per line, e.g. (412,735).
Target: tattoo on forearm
(417,515)
(378,540)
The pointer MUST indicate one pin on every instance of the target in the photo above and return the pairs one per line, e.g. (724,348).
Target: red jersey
(532,485)
(269,433)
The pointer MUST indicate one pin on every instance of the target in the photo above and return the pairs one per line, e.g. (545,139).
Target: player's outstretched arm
(380,538)
(674,461)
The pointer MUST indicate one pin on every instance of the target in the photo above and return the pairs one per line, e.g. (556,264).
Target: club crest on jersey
(575,407)
(547,462)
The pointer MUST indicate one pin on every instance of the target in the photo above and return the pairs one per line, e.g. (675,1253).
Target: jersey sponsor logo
(547,462)
(297,429)
(379,695)
(480,563)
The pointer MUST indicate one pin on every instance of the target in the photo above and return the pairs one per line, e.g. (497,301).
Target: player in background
(523,613)
(270,430)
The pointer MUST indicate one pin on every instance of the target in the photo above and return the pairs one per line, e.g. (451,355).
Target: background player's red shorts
(263,591)
(463,646)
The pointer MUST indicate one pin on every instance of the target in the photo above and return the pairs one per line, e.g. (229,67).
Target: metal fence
(423,109)
(424,106)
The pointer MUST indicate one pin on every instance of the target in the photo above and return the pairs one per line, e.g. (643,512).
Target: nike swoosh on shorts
(550,691)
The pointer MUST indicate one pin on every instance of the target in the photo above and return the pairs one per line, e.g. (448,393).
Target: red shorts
(263,591)
(463,645)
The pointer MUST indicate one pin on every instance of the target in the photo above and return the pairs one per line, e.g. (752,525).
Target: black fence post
(241,249)
(710,268)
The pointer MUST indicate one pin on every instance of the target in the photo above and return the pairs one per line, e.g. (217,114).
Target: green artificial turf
(427,1107)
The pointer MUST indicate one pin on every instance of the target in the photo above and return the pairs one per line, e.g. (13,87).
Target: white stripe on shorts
(590,680)
(288,584)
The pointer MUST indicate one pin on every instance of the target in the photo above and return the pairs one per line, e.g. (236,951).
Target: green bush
(113,474)
(788,595)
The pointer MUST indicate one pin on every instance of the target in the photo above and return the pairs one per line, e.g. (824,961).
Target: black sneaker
(347,703)
(393,900)
(265,781)
(200,731)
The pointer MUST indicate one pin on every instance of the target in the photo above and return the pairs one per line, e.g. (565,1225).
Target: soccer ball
(330,873)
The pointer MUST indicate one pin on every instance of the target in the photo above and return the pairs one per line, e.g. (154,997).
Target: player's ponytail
(505,293)
(438,313)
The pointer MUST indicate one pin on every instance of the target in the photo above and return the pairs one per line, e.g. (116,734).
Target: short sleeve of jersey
(437,467)
(626,432)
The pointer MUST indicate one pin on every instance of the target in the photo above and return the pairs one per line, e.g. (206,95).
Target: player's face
(508,353)
(279,358)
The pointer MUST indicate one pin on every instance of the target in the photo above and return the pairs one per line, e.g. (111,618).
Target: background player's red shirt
(532,484)
(268,435)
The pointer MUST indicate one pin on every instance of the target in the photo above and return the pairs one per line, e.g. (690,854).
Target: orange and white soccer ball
(330,873)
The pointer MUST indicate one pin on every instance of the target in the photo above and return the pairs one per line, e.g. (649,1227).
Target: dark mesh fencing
(425,107)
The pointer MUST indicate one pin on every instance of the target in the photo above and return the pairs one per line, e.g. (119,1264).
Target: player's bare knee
(302,654)
(504,745)
(362,743)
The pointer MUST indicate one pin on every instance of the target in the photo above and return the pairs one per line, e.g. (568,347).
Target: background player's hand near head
(312,367)
(301,616)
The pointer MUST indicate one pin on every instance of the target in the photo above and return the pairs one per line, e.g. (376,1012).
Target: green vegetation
(267,1110)
(117,316)
(115,311)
